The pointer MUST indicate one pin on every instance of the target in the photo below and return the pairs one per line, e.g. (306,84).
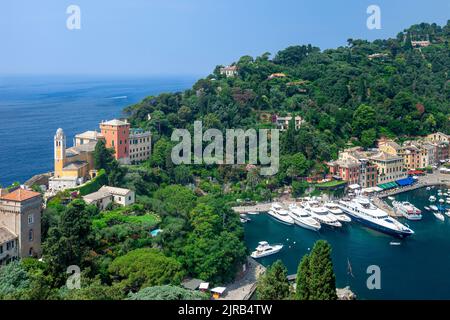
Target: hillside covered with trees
(354,93)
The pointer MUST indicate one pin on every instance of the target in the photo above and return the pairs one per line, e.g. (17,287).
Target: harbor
(424,256)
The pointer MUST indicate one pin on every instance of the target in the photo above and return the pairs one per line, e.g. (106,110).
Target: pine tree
(273,285)
(322,279)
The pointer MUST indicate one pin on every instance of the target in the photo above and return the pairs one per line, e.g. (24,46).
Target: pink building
(116,133)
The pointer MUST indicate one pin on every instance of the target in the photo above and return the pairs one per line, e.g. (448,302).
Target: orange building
(116,134)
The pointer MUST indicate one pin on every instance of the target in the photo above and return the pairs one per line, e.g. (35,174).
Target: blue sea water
(33,107)
(418,268)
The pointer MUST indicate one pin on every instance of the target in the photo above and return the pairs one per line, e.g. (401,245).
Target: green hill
(353,93)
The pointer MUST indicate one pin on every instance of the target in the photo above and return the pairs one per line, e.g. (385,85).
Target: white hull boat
(322,215)
(302,218)
(337,212)
(280,214)
(439,216)
(264,249)
(407,210)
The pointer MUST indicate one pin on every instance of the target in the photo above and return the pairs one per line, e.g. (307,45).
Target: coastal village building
(106,195)
(117,135)
(283,122)
(354,167)
(131,145)
(20,225)
(140,142)
(229,71)
(390,167)
(72,166)
(87,137)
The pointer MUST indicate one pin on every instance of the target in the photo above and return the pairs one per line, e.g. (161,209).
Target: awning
(354,186)
(218,290)
(389,185)
(405,182)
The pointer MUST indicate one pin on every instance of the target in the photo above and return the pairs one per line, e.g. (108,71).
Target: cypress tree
(273,285)
(303,277)
(322,279)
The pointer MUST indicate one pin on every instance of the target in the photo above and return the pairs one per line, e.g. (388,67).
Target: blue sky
(185,36)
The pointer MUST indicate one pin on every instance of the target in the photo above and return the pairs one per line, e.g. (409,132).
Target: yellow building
(72,165)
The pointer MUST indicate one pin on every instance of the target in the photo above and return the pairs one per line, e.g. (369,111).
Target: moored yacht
(407,210)
(280,214)
(363,211)
(303,218)
(321,214)
(337,212)
(264,249)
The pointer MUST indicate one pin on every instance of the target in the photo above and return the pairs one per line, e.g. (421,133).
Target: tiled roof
(86,147)
(114,122)
(75,165)
(6,235)
(89,135)
(115,190)
(20,195)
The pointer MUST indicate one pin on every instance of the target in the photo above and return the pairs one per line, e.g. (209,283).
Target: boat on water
(447,213)
(337,212)
(395,243)
(441,201)
(408,210)
(252,212)
(280,214)
(434,208)
(428,188)
(321,214)
(244,218)
(391,198)
(439,216)
(427,208)
(264,249)
(303,218)
(365,212)
(432,199)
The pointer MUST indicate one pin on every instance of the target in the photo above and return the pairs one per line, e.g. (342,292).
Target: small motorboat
(434,208)
(391,198)
(428,188)
(253,213)
(427,208)
(439,216)
(264,249)
(244,218)
(432,199)
(441,201)
(395,243)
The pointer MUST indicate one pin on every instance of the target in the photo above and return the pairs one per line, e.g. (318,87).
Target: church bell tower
(60,152)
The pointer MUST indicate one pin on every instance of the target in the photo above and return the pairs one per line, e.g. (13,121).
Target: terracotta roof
(20,195)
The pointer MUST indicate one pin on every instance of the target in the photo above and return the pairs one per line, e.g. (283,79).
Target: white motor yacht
(407,210)
(264,249)
(303,218)
(321,214)
(337,212)
(280,214)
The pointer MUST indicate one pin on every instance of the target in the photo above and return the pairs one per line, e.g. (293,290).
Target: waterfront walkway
(244,287)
